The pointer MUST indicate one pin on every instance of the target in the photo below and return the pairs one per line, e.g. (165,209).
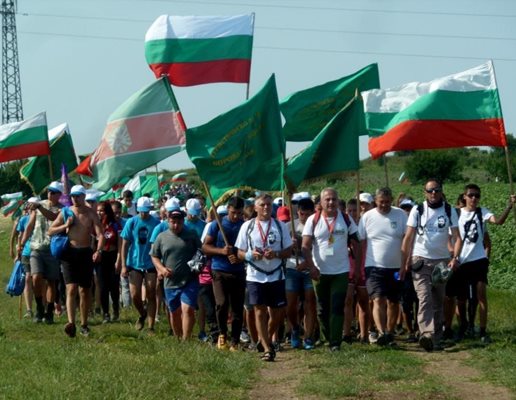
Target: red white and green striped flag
(454,111)
(24,139)
(147,128)
(194,50)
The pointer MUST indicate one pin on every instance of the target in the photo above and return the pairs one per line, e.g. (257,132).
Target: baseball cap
(278,201)
(172,204)
(407,203)
(300,196)
(366,198)
(193,207)
(55,187)
(143,204)
(91,196)
(77,190)
(283,214)
(176,213)
(222,210)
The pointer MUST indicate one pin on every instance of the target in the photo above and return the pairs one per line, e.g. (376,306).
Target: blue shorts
(270,294)
(186,295)
(298,281)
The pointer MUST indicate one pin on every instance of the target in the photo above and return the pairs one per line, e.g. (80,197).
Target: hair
(471,186)
(306,205)
(329,189)
(401,196)
(249,212)
(109,215)
(353,202)
(116,203)
(127,194)
(384,191)
(434,180)
(262,196)
(236,202)
(461,201)
(342,203)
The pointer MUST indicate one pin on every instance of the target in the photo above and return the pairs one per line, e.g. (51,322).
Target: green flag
(37,171)
(335,148)
(308,111)
(242,147)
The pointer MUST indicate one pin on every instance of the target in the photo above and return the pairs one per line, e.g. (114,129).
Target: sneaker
(334,349)
(373,337)
(28,314)
(426,343)
(107,319)
(38,318)
(347,339)
(221,343)
(382,339)
(244,337)
(295,341)
(85,331)
(308,344)
(140,323)
(486,339)
(411,338)
(70,329)
(234,347)
(202,336)
(49,318)
(389,337)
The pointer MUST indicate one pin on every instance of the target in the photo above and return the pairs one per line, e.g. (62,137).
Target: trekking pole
(509,174)
(20,306)
(217,217)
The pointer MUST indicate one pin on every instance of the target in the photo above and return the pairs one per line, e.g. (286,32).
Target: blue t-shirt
(161,227)
(20,228)
(138,232)
(197,226)
(221,263)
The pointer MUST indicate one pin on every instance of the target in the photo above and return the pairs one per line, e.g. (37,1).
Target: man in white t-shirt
(424,247)
(383,229)
(474,263)
(264,243)
(325,249)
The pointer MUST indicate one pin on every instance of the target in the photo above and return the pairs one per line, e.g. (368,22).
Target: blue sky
(80,59)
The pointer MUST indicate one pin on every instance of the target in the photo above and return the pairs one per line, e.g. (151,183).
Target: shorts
(270,294)
(44,263)
(77,266)
(466,275)
(381,282)
(134,273)
(186,294)
(298,281)
(25,260)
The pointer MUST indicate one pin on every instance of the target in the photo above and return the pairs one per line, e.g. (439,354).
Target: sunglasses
(472,195)
(434,190)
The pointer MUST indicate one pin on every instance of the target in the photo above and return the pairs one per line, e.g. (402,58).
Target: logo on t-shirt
(394,224)
(271,238)
(441,221)
(143,232)
(471,228)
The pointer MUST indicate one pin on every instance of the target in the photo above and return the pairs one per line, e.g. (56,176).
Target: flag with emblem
(145,129)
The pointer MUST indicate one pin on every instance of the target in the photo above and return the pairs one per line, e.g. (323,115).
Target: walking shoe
(295,341)
(140,323)
(308,344)
(347,339)
(70,329)
(107,319)
(244,337)
(221,343)
(382,339)
(49,318)
(334,349)
(426,343)
(486,339)
(373,337)
(85,331)
(28,314)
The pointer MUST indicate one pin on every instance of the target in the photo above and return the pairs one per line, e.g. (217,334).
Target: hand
(302,266)
(124,273)
(315,273)
(402,273)
(167,273)
(257,254)
(268,254)
(227,250)
(118,266)
(69,222)
(233,259)
(453,264)
(96,257)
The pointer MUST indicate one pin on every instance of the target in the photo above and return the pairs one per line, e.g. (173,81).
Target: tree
(496,163)
(444,165)
(10,181)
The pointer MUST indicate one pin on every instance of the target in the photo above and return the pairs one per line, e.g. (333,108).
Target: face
(352,211)
(235,214)
(329,201)
(78,200)
(433,192)
(116,210)
(384,203)
(101,211)
(53,196)
(263,208)
(303,215)
(175,223)
(365,206)
(472,197)
(128,201)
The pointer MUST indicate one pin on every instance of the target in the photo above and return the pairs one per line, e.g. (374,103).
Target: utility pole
(12,108)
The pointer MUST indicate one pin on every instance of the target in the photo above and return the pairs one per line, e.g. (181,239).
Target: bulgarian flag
(195,50)
(454,111)
(145,129)
(24,139)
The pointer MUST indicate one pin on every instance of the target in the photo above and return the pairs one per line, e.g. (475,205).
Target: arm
(14,240)
(59,226)
(357,251)
(457,248)
(500,220)
(47,213)
(306,249)
(406,250)
(161,268)
(123,254)
(28,230)
(99,232)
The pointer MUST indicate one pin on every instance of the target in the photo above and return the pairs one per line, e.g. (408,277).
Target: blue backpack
(16,281)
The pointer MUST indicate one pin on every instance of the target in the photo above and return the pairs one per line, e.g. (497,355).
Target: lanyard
(264,235)
(331,227)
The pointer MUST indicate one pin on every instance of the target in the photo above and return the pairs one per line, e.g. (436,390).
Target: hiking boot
(295,341)
(106,319)
(221,343)
(85,331)
(308,344)
(426,343)
(140,323)
(70,329)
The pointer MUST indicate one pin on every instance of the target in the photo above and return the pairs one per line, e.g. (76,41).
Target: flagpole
(385,170)
(217,217)
(50,169)
(358,193)
(509,174)
(157,179)
(249,81)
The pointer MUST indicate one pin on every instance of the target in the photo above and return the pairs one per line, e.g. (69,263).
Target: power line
(313,30)
(293,49)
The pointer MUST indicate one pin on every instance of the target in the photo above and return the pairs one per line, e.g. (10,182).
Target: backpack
(60,242)
(421,209)
(317,217)
(16,282)
(250,228)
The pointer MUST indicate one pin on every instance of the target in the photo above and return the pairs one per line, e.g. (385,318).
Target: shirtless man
(78,259)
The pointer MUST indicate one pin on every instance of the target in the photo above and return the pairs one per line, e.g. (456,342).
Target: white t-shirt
(272,241)
(291,262)
(330,259)
(432,243)
(384,234)
(473,244)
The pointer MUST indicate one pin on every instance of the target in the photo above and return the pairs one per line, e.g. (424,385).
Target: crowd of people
(256,273)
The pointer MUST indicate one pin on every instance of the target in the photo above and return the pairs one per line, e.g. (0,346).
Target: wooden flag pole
(509,174)
(249,81)
(358,193)
(385,170)
(157,179)
(50,169)
(217,217)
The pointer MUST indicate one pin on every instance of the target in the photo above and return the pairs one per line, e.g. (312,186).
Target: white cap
(366,198)
(407,203)
(56,186)
(300,196)
(33,200)
(278,201)
(77,190)
(222,210)
(143,204)
(172,204)
(193,207)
